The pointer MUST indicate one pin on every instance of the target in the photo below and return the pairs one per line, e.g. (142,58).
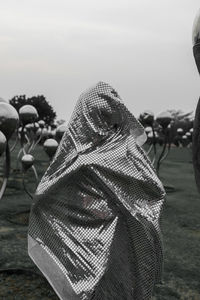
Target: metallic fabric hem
(51,271)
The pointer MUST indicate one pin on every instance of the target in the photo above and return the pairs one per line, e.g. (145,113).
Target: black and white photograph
(100,150)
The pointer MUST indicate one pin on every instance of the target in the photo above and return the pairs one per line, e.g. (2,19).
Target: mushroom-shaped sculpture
(8,119)
(20,130)
(60,131)
(39,132)
(147,118)
(188,134)
(191,130)
(44,132)
(148,129)
(51,133)
(180,131)
(27,161)
(53,126)
(2,143)
(41,123)
(164,119)
(28,114)
(29,127)
(35,127)
(151,135)
(50,147)
(184,140)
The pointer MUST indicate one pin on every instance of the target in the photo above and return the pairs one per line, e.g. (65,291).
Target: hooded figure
(94,224)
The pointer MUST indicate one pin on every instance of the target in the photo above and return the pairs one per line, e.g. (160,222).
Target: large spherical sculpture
(50,147)
(29,127)
(148,129)
(41,123)
(164,119)
(44,132)
(39,132)
(180,131)
(196,39)
(28,114)
(2,143)
(27,161)
(3,100)
(35,127)
(60,131)
(185,140)
(22,129)
(147,118)
(8,122)
(196,126)
(8,119)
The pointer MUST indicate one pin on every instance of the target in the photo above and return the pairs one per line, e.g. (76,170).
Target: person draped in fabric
(94,226)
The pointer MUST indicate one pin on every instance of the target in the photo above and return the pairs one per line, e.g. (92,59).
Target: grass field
(180,226)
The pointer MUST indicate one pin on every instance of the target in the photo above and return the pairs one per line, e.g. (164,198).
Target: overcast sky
(59,48)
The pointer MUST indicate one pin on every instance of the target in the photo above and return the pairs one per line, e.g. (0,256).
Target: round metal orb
(50,133)
(53,126)
(9,119)
(2,143)
(185,140)
(148,129)
(44,132)
(196,29)
(29,127)
(39,132)
(41,123)
(151,135)
(147,118)
(27,161)
(164,119)
(188,134)
(180,131)
(50,147)
(60,131)
(28,114)
(35,127)
(3,100)
(20,130)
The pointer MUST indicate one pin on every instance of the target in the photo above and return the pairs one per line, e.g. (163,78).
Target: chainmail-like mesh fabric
(94,224)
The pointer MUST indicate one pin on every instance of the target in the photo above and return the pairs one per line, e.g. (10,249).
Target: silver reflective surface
(94,225)
(196,29)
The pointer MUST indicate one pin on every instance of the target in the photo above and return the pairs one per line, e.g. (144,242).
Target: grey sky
(59,48)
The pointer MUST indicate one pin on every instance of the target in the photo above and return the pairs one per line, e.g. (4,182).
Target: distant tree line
(44,109)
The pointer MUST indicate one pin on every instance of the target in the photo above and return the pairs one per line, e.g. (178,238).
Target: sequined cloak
(94,227)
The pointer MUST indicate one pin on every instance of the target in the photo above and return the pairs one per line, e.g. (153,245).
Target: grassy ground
(180,227)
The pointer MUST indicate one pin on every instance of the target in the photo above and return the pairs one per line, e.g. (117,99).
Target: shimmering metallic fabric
(94,224)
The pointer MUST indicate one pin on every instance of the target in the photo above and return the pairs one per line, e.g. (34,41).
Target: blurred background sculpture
(8,123)
(28,132)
